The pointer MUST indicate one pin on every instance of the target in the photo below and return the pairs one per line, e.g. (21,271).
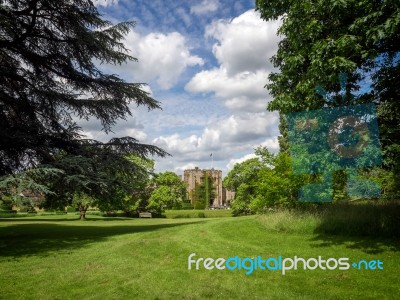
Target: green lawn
(58,257)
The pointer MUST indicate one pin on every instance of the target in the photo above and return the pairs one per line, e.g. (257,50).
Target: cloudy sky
(207,62)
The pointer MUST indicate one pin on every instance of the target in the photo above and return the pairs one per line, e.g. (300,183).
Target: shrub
(72,209)
(181,216)
(199,205)
(187,205)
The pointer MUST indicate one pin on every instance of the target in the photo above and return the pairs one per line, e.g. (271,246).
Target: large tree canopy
(49,77)
(169,192)
(325,38)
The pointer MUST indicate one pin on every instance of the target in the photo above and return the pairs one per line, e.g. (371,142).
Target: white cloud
(99,135)
(244,44)
(204,7)
(243,92)
(105,3)
(87,135)
(250,84)
(132,127)
(272,144)
(243,48)
(140,135)
(243,103)
(235,161)
(161,57)
(181,168)
(223,138)
(181,12)
(147,89)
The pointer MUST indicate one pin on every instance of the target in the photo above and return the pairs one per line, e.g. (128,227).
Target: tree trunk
(82,212)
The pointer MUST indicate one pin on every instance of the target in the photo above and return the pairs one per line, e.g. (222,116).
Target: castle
(220,198)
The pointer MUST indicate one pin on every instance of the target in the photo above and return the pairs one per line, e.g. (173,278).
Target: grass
(375,220)
(59,257)
(170,214)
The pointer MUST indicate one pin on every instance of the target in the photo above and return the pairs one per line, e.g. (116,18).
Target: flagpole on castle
(212,160)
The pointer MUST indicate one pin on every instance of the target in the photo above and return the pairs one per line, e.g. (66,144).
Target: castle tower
(196,176)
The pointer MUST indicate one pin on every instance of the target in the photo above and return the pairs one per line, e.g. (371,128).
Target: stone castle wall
(193,177)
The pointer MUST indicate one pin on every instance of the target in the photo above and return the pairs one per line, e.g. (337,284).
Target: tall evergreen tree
(50,52)
(48,73)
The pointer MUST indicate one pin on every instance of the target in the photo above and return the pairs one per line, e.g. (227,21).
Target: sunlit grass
(58,257)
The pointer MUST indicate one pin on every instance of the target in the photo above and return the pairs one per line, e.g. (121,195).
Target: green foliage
(204,192)
(71,209)
(242,172)
(162,198)
(283,138)
(26,190)
(187,205)
(169,193)
(200,201)
(208,213)
(174,183)
(264,182)
(50,52)
(169,179)
(321,39)
(367,219)
(388,180)
(83,201)
(272,184)
(32,181)
(241,203)
(112,182)
(6,203)
(138,187)
(242,180)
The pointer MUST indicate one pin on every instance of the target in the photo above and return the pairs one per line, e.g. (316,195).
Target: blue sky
(207,63)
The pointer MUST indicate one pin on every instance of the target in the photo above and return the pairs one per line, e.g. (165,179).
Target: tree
(162,198)
(83,202)
(141,186)
(169,193)
(276,184)
(173,181)
(50,52)
(322,39)
(264,182)
(245,171)
(325,38)
(242,180)
(109,182)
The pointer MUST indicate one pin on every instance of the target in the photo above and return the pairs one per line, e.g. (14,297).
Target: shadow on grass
(63,219)
(41,239)
(370,228)
(366,244)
